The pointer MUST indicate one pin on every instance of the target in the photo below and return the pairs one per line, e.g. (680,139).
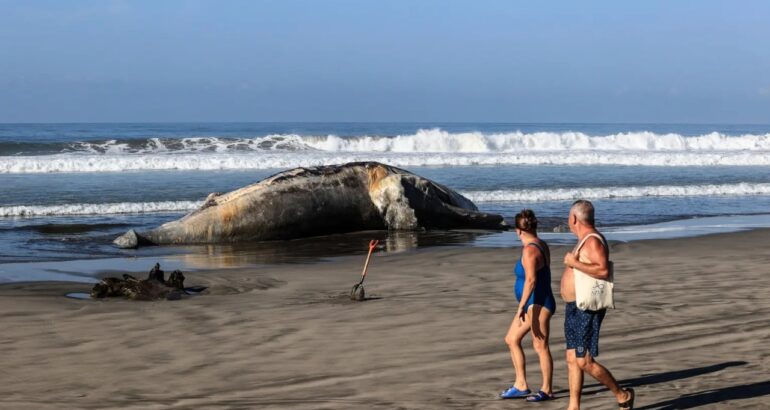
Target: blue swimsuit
(542,294)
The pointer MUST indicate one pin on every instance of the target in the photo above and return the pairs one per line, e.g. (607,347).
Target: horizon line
(387,122)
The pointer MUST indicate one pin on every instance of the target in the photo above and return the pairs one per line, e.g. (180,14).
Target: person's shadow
(664,377)
(702,398)
(692,400)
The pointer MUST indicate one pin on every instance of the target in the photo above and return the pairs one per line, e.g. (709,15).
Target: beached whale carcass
(321,200)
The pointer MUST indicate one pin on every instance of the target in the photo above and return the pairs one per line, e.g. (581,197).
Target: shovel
(357,293)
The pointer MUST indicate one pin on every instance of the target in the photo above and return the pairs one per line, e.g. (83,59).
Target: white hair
(584,211)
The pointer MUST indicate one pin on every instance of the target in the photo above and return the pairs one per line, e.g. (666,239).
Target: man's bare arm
(598,265)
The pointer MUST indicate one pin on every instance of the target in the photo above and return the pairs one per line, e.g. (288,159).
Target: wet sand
(691,330)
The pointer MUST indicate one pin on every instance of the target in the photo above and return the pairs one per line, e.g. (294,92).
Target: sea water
(66,190)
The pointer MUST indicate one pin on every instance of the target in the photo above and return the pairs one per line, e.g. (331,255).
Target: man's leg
(602,375)
(575,377)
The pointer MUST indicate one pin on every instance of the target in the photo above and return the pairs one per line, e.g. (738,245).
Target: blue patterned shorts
(581,329)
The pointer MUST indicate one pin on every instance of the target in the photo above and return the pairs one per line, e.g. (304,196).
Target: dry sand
(692,329)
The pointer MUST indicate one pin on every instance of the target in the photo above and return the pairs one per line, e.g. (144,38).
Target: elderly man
(581,327)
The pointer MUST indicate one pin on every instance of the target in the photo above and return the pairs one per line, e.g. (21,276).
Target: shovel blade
(357,293)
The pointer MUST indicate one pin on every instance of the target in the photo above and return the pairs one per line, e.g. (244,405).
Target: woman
(536,306)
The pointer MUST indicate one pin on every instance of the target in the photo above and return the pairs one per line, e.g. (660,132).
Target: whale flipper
(131,240)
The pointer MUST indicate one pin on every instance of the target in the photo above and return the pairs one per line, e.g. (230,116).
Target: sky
(398,60)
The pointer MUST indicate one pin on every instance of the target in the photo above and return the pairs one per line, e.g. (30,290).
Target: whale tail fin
(131,240)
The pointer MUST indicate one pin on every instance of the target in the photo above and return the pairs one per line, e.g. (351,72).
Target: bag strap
(601,239)
(546,253)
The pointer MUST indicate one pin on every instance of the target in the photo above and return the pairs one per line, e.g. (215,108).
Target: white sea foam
(524,195)
(245,161)
(424,148)
(436,140)
(97,209)
(287,142)
(565,194)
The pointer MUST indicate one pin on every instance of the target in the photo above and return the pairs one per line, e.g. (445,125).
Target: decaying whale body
(321,200)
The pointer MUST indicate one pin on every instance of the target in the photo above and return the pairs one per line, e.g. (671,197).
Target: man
(581,328)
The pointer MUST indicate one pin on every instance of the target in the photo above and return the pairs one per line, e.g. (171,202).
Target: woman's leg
(516,333)
(541,331)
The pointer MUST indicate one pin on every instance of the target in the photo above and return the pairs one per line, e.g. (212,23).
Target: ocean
(66,190)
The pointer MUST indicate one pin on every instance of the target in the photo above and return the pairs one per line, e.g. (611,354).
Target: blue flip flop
(539,396)
(514,393)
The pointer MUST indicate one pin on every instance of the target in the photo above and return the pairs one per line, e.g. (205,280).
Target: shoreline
(135,265)
(329,248)
(286,336)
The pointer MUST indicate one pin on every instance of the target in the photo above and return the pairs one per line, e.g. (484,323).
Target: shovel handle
(372,244)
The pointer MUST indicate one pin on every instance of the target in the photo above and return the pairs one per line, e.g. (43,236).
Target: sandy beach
(260,147)
(690,331)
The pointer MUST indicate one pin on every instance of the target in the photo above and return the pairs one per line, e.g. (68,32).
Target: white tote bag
(592,293)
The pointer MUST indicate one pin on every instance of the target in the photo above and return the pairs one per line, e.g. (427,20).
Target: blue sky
(315,60)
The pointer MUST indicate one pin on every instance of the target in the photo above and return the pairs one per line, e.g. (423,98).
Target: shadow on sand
(688,401)
(664,377)
(702,398)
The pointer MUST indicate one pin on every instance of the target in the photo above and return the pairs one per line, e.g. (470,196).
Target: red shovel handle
(372,244)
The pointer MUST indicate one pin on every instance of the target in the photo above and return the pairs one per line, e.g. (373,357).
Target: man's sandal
(628,404)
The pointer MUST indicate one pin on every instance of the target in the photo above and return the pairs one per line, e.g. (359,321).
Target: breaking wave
(525,195)
(566,194)
(97,209)
(433,147)
(432,140)
(436,140)
(210,162)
